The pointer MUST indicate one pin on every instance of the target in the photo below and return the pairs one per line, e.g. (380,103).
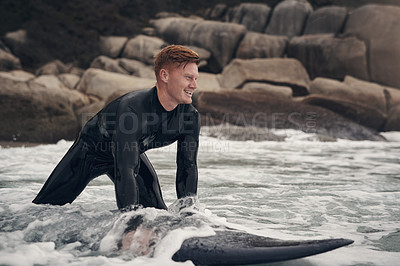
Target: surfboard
(238,248)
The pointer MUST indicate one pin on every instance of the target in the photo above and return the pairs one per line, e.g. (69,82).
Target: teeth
(188,92)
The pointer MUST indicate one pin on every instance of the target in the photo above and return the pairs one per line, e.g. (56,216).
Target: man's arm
(188,144)
(126,158)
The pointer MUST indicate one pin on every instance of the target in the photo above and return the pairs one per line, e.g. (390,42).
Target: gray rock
(37,111)
(143,48)
(218,12)
(256,109)
(102,84)
(327,56)
(289,17)
(69,80)
(352,90)
(258,45)
(232,132)
(325,20)
(112,45)
(253,16)
(221,39)
(175,30)
(378,26)
(108,64)
(362,114)
(280,71)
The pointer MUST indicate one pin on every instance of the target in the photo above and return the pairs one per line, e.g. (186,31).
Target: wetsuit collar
(157,102)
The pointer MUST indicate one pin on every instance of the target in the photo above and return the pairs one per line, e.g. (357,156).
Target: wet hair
(174,55)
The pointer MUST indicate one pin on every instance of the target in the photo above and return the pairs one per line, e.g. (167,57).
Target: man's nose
(193,84)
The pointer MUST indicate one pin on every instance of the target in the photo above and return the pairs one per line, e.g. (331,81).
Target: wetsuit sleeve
(188,144)
(126,157)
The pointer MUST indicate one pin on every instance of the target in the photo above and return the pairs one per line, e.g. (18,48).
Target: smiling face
(181,82)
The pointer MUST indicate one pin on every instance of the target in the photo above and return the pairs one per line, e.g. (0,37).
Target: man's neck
(164,98)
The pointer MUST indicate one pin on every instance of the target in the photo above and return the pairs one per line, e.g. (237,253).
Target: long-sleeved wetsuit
(113,142)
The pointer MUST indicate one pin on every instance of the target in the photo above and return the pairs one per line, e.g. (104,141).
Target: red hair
(174,55)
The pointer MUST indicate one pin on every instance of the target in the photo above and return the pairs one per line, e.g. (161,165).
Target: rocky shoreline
(327,71)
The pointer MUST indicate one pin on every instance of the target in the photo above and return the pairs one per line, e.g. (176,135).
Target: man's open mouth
(188,92)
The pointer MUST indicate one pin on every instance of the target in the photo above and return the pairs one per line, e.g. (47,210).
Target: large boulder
(362,114)
(221,39)
(36,112)
(378,26)
(102,84)
(8,61)
(112,45)
(175,30)
(258,45)
(257,109)
(359,101)
(143,48)
(279,71)
(289,17)
(327,56)
(53,83)
(325,20)
(253,16)
(208,82)
(353,90)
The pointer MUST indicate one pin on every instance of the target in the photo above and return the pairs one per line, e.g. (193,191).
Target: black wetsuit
(113,142)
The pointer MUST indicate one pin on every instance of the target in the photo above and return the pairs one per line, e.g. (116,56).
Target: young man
(114,141)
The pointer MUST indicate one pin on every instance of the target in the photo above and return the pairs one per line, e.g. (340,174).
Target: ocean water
(299,188)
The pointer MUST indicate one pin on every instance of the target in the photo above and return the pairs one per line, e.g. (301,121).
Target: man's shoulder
(189,108)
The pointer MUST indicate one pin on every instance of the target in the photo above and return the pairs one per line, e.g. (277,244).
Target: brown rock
(253,16)
(34,112)
(102,83)
(221,39)
(255,109)
(258,45)
(143,48)
(288,18)
(108,64)
(69,80)
(112,45)
(327,56)
(279,71)
(175,30)
(136,68)
(359,113)
(378,26)
(325,20)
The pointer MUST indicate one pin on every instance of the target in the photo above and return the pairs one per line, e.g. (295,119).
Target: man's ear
(164,75)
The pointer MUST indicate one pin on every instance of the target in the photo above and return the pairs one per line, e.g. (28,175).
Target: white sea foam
(296,189)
